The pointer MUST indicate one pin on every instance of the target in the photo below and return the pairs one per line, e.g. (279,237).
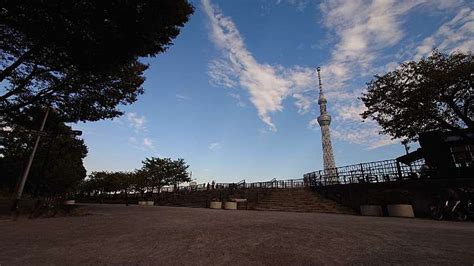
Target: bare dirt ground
(116,234)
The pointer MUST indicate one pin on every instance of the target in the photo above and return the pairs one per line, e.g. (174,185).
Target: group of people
(211,186)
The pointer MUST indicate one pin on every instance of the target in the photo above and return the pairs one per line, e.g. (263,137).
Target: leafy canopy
(155,173)
(81,57)
(435,93)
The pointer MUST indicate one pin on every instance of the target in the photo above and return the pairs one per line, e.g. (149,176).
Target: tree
(81,57)
(435,93)
(164,171)
(58,167)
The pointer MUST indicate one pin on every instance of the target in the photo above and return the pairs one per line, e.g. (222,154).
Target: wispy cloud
(143,143)
(147,142)
(181,97)
(454,35)
(214,146)
(364,30)
(266,84)
(240,102)
(299,4)
(135,121)
(139,138)
(360,33)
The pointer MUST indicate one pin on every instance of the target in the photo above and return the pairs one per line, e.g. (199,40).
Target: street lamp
(24,176)
(407,149)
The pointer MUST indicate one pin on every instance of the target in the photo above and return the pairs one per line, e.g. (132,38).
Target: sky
(236,94)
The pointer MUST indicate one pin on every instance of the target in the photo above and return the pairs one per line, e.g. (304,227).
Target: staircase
(300,200)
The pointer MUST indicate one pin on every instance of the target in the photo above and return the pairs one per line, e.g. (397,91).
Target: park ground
(116,234)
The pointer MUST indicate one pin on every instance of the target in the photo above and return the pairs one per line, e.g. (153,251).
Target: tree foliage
(57,167)
(155,173)
(165,171)
(81,57)
(435,93)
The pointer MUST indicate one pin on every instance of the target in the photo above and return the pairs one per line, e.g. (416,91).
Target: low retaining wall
(198,199)
(418,193)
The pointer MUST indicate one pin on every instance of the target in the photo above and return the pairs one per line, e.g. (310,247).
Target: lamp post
(21,183)
(24,176)
(407,149)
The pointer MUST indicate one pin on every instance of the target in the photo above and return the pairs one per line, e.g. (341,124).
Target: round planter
(229,205)
(371,210)
(69,202)
(215,205)
(400,210)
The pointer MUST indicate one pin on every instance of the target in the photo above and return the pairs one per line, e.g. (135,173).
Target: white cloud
(135,121)
(214,146)
(360,33)
(181,97)
(139,139)
(148,143)
(267,85)
(456,34)
(145,143)
(240,102)
(362,135)
(299,4)
(364,29)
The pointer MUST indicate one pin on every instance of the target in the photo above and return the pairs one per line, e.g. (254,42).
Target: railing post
(399,170)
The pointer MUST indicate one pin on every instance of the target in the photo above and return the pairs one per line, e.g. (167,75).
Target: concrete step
(300,200)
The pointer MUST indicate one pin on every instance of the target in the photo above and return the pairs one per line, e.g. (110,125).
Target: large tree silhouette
(81,57)
(435,93)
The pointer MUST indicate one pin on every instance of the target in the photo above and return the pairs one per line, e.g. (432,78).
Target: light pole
(24,176)
(407,149)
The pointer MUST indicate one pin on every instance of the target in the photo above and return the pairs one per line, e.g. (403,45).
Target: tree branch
(469,122)
(9,70)
(40,94)
(20,86)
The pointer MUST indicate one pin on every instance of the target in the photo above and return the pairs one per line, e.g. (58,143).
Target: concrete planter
(146,203)
(371,210)
(69,202)
(400,210)
(229,205)
(215,205)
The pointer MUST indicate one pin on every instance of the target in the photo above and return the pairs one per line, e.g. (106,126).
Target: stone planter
(371,210)
(142,203)
(229,205)
(150,203)
(400,210)
(215,205)
(69,202)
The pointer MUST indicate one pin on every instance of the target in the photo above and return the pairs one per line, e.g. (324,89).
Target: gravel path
(116,234)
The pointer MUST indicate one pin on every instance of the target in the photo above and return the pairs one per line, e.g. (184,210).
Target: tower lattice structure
(324,121)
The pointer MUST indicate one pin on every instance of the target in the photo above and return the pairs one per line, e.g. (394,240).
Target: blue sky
(236,95)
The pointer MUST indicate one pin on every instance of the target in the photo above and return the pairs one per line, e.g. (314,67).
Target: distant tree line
(154,174)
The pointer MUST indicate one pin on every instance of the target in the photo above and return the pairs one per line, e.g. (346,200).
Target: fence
(373,172)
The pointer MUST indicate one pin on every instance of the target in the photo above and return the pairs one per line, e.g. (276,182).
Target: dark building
(446,154)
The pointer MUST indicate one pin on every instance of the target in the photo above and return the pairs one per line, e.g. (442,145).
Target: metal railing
(373,172)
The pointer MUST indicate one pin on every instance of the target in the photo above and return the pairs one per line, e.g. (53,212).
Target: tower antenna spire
(324,120)
(319,79)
